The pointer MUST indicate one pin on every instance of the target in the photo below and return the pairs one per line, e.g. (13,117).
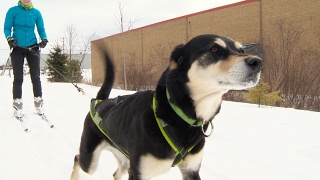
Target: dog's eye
(241,51)
(214,49)
(217,50)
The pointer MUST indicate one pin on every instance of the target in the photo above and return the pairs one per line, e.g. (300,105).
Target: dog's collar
(180,113)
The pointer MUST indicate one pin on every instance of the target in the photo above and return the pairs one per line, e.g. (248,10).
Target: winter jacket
(21,21)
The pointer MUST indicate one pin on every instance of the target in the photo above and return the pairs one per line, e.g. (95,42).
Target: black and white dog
(149,132)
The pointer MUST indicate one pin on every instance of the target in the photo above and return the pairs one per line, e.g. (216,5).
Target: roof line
(182,17)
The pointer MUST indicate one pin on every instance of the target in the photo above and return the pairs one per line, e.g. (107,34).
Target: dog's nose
(255,63)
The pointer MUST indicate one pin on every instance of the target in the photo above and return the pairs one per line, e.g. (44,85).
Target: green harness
(166,130)
(180,151)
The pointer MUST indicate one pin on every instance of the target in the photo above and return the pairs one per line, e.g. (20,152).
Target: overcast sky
(98,16)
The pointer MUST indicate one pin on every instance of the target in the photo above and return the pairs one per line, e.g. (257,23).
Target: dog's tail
(107,85)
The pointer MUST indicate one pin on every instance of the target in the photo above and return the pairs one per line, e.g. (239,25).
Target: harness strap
(167,132)
(180,113)
(98,121)
(180,151)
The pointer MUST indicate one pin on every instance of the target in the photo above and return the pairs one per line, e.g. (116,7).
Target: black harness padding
(98,121)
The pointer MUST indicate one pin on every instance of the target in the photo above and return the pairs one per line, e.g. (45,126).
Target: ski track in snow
(247,143)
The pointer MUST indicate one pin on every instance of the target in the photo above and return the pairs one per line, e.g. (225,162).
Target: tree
(70,40)
(293,66)
(70,47)
(85,48)
(57,61)
(259,95)
(61,69)
(120,23)
(74,71)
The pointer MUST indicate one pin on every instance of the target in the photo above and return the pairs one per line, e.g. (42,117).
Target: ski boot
(38,104)
(17,107)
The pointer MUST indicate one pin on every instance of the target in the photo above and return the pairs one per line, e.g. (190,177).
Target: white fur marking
(95,157)
(192,162)
(205,90)
(122,159)
(151,166)
(238,45)
(123,162)
(220,42)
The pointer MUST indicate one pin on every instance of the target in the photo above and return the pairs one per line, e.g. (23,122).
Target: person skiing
(19,30)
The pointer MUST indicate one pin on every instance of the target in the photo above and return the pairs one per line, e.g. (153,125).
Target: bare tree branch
(70,40)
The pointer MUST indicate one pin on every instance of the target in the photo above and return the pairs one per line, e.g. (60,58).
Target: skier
(19,25)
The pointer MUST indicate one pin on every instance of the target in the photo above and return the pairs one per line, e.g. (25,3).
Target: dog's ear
(163,79)
(176,56)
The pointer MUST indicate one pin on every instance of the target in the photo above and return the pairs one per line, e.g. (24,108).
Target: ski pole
(4,69)
(7,63)
(70,81)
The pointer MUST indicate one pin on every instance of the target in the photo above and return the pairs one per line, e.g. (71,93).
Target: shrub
(260,95)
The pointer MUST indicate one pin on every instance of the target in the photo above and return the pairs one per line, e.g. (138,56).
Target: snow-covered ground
(248,142)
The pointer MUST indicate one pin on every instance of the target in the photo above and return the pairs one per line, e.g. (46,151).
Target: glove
(43,43)
(12,42)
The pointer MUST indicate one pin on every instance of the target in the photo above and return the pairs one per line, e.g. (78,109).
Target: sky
(98,17)
(248,142)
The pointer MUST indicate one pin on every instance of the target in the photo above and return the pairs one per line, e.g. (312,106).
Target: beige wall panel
(169,33)
(158,42)
(302,13)
(238,22)
(97,62)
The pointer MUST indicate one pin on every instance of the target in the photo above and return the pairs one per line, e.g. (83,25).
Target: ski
(24,126)
(22,123)
(44,118)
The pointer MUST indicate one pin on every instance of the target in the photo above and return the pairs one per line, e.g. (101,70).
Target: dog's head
(217,63)
(209,66)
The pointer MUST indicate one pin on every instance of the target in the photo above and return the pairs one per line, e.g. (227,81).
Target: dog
(150,131)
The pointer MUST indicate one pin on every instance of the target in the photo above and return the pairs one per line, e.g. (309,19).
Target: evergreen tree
(260,95)
(74,70)
(58,60)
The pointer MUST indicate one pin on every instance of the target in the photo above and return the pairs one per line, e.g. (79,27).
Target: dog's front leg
(189,174)
(133,174)
(76,167)
(191,165)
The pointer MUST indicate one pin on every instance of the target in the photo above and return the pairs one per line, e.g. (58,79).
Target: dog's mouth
(239,82)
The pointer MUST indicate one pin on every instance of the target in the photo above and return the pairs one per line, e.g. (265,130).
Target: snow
(248,142)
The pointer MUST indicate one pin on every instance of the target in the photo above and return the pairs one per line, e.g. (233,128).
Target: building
(258,22)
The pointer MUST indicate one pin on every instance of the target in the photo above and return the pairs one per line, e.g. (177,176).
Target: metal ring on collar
(204,133)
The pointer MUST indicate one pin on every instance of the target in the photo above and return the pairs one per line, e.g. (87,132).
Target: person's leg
(33,59)
(17,61)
